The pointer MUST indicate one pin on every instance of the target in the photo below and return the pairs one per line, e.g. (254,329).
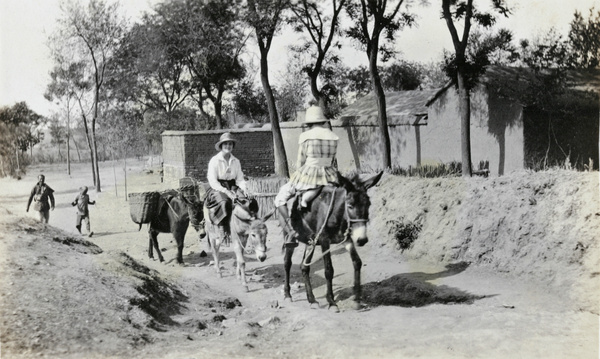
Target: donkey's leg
(215,243)
(240,263)
(357,262)
(150,254)
(154,243)
(328,275)
(178,229)
(287,264)
(307,257)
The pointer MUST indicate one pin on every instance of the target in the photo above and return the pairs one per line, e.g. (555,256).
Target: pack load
(143,207)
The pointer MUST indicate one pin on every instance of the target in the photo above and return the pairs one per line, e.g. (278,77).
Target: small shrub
(404,232)
(452,169)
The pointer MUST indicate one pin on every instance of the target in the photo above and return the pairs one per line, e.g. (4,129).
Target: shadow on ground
(414,290)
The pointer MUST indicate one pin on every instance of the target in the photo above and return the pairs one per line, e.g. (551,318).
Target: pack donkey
(175,212)
(338,215)
(248,233)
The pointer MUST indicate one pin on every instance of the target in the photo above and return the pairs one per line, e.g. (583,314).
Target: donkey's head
(254,229)
(357,205)
(195,212)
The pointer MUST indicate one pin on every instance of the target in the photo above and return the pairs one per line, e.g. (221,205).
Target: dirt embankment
(500,267)
(545,225)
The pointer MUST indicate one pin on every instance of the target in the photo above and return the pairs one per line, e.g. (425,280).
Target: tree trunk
(77,149)
(89,141)
(94,142)
(218,116)
(464,106)
(381,107)
(68,152)
(281,165)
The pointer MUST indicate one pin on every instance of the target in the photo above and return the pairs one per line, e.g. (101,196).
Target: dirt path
(456,311)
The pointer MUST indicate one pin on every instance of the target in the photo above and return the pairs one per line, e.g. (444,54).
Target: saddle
(308,196)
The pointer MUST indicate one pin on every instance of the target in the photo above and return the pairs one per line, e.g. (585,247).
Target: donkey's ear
(370,182)
(344,182)
(267,216)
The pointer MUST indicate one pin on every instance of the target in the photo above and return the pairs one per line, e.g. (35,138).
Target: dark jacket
(82,201)
(40,194)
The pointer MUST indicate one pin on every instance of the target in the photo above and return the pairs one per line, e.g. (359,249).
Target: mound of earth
(544,225)
(454,268)
(109,298)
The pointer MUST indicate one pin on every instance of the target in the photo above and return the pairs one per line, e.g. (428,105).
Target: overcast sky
(25,25)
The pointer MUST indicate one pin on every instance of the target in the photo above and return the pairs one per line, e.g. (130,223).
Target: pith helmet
(314,114)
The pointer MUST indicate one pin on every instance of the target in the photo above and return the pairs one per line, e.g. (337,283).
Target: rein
(313,243)
(180,194)
(249,220)
(175,213)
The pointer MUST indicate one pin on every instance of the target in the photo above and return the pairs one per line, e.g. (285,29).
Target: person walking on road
(43,199)
(83,213)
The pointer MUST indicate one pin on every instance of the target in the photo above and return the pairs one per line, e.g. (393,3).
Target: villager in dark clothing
(43,199)
(83,213)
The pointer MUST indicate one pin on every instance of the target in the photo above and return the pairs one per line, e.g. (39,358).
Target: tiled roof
(403,107)
(517,78)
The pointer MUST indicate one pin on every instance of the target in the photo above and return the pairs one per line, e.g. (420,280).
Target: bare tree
(321,30)
(93,33)
(452,11)
(382,17)
(63,88)
(265,17)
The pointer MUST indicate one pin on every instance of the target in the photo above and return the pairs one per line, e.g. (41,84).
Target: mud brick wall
(186,153)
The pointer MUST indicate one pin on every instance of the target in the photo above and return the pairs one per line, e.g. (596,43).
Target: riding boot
(291,236)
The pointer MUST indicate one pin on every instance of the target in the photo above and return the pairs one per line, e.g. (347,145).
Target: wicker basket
(143,206)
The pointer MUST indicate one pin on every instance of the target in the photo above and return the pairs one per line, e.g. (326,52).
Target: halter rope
(316,239)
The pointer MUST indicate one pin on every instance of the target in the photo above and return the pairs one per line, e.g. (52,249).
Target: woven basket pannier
(143,206)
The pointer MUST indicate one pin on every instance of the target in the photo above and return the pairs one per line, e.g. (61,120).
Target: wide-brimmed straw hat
(314,114)
(226,137)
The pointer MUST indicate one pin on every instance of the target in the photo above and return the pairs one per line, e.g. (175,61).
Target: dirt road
(60,300)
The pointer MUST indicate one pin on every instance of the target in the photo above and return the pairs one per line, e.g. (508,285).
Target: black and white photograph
(299,179)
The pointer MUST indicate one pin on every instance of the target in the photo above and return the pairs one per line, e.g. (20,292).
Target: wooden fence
(264,189)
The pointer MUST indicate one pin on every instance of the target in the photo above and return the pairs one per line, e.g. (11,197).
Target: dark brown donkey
(175,212)
(338,215)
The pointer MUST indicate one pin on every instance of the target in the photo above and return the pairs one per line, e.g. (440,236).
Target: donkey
(338,215)
(175,212)
(247,233)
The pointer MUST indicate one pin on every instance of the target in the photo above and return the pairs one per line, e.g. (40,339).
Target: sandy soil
(502,268)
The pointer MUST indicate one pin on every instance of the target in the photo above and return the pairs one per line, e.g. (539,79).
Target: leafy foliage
(584,38)
(19,126)
(250,102)
(484,49)
(404,232)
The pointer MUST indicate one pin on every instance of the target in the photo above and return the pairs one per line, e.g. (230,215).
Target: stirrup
(291,239)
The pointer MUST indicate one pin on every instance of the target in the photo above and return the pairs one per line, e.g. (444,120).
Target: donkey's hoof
(356,306)
(288,299)
(315,305)
(246,288)
(334,308)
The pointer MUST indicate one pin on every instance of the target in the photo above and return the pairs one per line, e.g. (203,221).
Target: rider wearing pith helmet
(318,147)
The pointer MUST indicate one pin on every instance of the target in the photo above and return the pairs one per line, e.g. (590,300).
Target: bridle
(347,233)
(249,244)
